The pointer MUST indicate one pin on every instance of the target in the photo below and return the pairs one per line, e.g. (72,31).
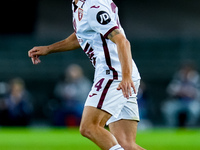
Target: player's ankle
(116,147)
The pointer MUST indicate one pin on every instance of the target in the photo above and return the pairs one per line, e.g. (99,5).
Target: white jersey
(93,20)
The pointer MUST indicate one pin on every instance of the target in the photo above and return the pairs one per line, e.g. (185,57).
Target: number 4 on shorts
(98,84)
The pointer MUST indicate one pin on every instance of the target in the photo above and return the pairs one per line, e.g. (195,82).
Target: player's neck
(76,1)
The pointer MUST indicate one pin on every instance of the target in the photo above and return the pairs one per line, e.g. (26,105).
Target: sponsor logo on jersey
(103,17)
(80,14)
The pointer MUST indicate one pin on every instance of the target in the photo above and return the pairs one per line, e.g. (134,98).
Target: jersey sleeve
(102,20)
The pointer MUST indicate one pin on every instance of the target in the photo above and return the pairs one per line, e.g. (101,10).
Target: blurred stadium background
(163,35)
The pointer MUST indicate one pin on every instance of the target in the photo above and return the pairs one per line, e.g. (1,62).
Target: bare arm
(70,43)
(125,58)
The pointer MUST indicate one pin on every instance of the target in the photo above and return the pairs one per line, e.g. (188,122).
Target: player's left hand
(126,87)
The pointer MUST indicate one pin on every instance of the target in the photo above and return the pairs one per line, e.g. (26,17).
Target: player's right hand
(126,85)
(35,52)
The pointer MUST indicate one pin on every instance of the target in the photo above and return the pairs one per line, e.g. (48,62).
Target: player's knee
(85,130)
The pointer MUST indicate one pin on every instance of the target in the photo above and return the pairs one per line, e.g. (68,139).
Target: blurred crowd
(181,108)
(15,103)
(70,94)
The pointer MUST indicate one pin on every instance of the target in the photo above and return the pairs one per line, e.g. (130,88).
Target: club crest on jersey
(80,14)
(103,17)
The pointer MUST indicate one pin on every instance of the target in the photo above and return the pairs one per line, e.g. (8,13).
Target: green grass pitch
(70,139)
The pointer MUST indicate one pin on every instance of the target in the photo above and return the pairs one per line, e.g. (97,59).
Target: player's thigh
(93,116)
(124,130)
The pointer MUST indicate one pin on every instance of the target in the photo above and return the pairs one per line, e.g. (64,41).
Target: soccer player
(112,99)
